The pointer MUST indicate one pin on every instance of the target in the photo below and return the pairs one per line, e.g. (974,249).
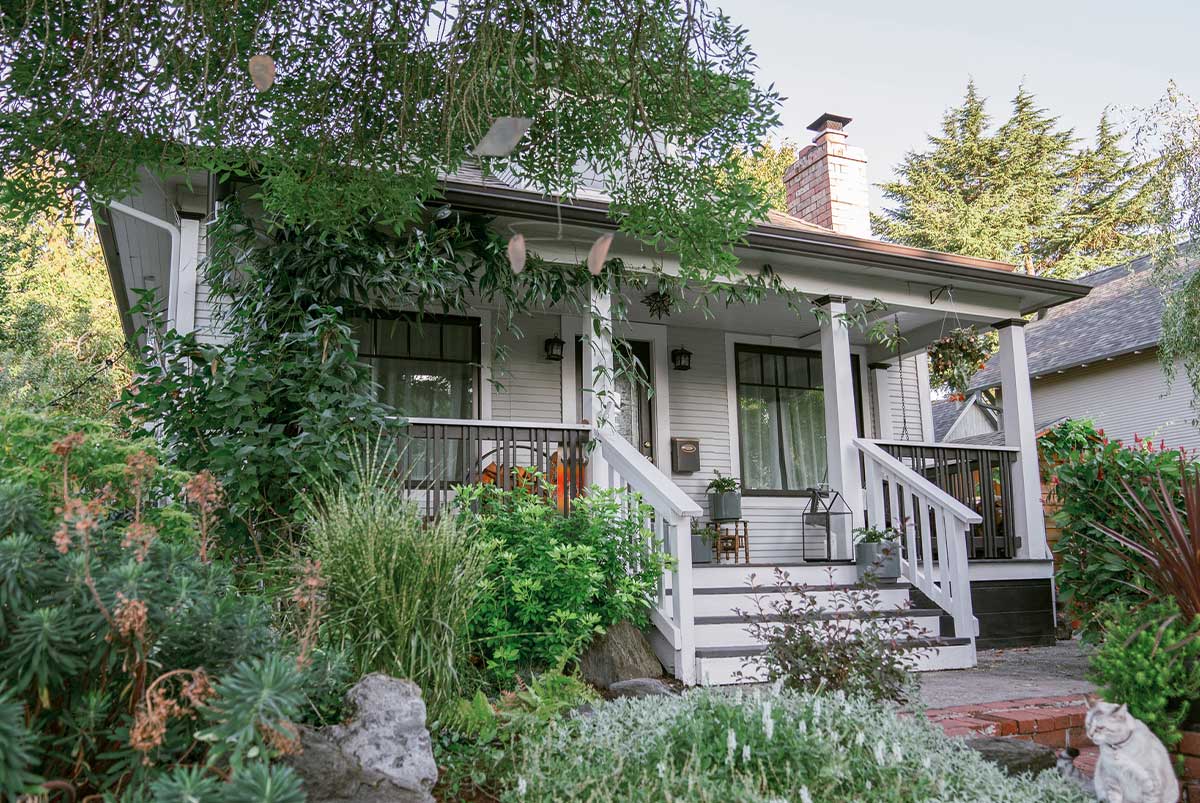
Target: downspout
(173,231)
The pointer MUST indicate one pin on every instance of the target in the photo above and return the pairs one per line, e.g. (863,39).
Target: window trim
(741,347)
(475,361)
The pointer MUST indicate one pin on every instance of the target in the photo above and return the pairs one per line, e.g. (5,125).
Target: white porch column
(1017,401)
(881,383)
(599,408)
(841,426)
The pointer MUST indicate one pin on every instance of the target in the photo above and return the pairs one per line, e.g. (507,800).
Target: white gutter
(173,275)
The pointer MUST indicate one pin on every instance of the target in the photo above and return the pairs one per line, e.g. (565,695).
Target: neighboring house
(1095,358)
(791,403)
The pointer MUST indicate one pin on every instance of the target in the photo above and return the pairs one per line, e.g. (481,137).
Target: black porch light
(681,359)
(554,348)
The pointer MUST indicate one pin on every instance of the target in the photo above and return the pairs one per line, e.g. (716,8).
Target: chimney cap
(827,121)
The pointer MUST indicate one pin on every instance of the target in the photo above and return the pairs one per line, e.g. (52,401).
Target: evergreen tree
(1021,193)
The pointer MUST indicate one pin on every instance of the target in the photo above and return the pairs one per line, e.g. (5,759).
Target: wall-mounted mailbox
(685,455)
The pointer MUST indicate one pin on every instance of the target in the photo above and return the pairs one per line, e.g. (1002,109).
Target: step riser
(736,635)
(727,604)
(722,671)
(731,576)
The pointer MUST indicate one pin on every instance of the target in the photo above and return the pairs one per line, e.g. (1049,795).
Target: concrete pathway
(1020,672)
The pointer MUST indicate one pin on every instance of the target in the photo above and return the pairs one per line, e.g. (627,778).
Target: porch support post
(599,408)
(881,383)
(1017,401)
(841,426)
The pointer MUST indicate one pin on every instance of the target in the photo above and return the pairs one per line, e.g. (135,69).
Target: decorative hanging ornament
(599,254)
(503,136)
(516,253)
(262,71)
(658,304)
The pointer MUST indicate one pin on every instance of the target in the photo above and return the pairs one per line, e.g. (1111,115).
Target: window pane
(427,389)
(424,340)
(803,417)
(814,372)
(393,337)
(749,367)
(457,340)
(797,372)
(770,375)
(759,426)
(363,331)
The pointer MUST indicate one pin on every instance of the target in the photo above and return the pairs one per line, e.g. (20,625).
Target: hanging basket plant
(955,358)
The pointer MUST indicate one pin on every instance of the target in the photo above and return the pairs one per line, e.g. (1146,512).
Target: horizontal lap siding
(207,321)
(527,386)
(1126,396)
(700,409)
(905,393)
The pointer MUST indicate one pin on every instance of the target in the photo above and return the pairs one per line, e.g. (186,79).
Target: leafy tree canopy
(1023,192)
(373,102)
(765,167)
(61,345)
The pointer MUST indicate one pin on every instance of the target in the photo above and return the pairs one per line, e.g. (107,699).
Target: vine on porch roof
(270,409)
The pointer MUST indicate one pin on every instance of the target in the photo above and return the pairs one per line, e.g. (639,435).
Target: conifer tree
(1023,192)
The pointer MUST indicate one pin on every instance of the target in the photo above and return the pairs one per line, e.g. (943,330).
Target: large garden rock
(640,687)
(622,653)
(383,755)
(1014,756)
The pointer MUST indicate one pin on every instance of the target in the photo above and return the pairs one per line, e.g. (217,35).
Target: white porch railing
(674,616)
(935,527)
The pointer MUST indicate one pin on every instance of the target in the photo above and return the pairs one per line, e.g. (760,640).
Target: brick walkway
(1052,721)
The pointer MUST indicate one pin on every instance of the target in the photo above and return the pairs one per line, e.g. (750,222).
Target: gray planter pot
(725,506)
(701,550)
(881,560)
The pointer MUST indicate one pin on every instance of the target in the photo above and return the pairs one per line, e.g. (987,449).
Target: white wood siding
(526,386)
(208,325)
(906,394)
(1126,396)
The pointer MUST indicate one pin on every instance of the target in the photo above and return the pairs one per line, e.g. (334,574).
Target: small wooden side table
(731,538)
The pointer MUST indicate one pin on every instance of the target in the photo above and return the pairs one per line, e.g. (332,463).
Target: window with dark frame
(425,366)
(781,419)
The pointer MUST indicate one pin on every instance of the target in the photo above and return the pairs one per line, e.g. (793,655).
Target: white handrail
(918,482)
(671,523)
(978,447)
(901,498)
(654,486)
(476,422)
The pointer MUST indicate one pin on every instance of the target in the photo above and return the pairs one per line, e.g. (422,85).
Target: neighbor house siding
(1126,396)
(525,385)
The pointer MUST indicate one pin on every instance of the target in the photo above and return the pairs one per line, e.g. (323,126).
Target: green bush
(1085,470)
(125,653)
(400,594)
(850,645)
(714,745)
(1149,660)
(554,581)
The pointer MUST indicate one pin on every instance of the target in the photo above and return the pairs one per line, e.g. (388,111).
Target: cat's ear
(1123,709)
(1091,700)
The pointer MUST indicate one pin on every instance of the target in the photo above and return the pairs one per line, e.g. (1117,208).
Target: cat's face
(1108,723)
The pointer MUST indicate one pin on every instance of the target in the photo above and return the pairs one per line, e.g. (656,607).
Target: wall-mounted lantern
(681,359)
(554,348)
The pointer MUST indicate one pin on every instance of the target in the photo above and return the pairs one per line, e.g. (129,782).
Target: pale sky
(895,66)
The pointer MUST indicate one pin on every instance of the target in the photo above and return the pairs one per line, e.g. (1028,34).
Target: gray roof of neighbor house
(1122,314)
(945,413)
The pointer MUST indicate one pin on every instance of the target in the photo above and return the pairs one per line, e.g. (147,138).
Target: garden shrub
(126,653)
(850,645)
(400,594)
(760,746)
(554,581)
(1150,660)
(1085,470)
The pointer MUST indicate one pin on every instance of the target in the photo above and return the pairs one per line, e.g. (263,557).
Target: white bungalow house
(790,404)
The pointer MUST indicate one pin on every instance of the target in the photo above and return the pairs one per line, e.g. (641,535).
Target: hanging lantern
(681,359)
(599,253)
(262,71)
(516,253)
(554,348)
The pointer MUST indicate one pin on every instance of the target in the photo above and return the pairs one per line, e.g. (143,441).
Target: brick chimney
(827,185)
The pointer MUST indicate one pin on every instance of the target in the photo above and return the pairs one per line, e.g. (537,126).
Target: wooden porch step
(911,613)
(719,666)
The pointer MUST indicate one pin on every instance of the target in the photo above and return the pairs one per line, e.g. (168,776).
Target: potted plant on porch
(877,553)
(702,544)
(724,498)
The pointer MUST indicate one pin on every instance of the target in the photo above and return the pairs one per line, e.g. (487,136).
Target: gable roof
(1122,314)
